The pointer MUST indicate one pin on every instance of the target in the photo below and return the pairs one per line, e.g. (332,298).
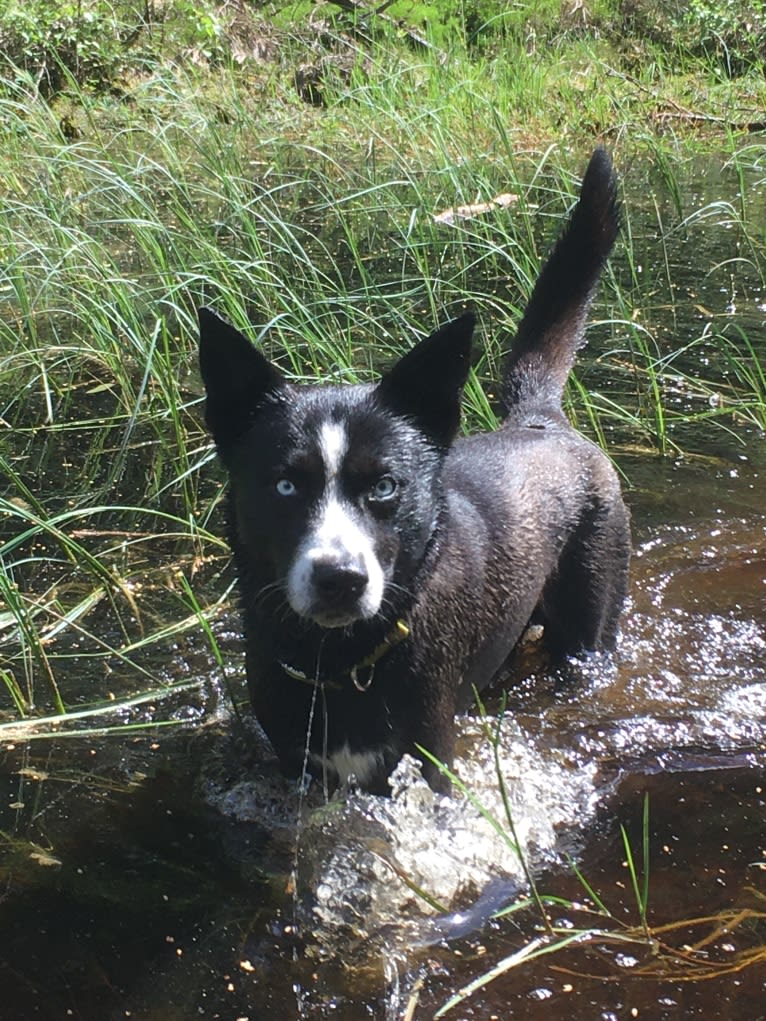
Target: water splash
(418,866)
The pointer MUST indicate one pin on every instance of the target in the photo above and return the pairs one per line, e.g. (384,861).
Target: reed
(317,232)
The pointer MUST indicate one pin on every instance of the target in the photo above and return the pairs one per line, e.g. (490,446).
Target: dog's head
(335,489)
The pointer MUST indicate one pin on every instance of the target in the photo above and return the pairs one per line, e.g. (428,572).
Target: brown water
(171,874)
(153,876)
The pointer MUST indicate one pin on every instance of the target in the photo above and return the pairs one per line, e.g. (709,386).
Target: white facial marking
(334,535)
(333,445)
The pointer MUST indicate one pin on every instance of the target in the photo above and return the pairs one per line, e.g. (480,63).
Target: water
(176,874)
(172,873)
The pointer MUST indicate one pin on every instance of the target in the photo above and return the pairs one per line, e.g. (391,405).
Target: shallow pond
(171,873)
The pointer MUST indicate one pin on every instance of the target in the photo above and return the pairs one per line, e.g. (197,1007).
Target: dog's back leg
(582,601)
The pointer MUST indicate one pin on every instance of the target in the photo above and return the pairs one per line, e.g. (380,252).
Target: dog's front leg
(434,731)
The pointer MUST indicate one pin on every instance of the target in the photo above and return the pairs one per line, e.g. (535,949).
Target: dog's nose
(336,582)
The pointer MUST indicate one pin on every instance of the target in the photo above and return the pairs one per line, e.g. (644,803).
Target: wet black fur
(488,532)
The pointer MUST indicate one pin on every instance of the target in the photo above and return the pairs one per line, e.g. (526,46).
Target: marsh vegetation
(336,182)
(137,188)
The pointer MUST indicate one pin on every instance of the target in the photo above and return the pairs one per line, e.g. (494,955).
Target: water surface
(172,873)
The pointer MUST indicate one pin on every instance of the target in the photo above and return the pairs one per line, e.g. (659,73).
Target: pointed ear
(237,377)
(427,383)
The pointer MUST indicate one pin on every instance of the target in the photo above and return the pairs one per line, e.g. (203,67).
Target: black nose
(339,582)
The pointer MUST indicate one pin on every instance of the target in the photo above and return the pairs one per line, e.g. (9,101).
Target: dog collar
(397,634)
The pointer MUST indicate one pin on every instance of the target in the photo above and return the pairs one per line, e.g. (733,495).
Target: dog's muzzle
(335,592)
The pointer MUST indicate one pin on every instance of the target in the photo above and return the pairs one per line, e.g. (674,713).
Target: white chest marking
(362,765)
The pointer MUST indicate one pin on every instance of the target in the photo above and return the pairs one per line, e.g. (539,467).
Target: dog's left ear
(427,383)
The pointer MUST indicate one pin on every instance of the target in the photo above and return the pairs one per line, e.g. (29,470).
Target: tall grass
(314,231)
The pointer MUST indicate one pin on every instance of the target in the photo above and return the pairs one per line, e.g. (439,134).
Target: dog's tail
(553,324)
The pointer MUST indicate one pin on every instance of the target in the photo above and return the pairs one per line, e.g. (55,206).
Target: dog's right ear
(238,379)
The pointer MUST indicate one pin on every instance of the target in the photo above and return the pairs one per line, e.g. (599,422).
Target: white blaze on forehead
(333,446)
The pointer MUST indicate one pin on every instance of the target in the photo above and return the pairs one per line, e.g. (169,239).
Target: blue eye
(383,489)
(285,487)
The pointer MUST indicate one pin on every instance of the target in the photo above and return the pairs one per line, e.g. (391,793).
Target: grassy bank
(181,175)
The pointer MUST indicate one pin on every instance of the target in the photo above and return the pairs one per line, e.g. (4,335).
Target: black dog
(387,569)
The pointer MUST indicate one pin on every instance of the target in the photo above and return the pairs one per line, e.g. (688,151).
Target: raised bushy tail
(552,328)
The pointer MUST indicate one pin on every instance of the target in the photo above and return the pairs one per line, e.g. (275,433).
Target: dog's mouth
(335,619)
(340,608)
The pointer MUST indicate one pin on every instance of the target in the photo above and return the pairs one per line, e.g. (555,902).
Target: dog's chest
(344,763)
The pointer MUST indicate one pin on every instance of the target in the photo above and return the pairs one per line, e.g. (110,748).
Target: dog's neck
(360,673)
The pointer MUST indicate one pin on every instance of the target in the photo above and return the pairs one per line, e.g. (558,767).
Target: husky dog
(387,569)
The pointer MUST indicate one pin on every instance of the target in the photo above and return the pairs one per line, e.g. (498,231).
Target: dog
(388,569)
